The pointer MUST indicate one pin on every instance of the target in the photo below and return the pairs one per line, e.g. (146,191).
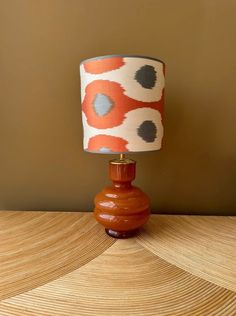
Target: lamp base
(121,235)
(122,208)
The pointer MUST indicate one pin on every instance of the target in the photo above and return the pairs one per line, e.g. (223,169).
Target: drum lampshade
(122,103)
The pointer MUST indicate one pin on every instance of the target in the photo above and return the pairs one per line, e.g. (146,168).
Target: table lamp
(122,107)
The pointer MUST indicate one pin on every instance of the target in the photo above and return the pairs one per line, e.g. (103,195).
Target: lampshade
(122,103)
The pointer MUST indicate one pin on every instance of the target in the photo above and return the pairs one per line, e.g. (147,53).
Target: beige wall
(42,164)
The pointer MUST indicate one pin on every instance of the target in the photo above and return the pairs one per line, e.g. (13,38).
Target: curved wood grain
(64,264)
(38,247)
(202,245)
(125,280)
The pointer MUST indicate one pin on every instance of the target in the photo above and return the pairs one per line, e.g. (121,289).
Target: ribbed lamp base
(122,208)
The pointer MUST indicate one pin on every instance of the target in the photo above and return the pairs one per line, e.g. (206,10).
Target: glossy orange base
(122,208)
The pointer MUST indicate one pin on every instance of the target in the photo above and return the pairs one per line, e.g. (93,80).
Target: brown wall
(42,164)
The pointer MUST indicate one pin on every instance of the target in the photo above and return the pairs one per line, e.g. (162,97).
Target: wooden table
(62,263)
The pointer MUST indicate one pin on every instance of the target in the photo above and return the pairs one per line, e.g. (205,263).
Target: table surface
(62,263)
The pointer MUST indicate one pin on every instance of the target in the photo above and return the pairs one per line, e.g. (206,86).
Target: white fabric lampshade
(122,103)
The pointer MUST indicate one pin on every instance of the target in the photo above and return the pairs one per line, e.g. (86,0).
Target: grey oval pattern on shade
(146,76)
(147,131)
(102,104)
(105,150)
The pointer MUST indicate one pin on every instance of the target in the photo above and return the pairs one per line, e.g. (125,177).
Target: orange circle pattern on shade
(122,104)
(103,65)
(115,144)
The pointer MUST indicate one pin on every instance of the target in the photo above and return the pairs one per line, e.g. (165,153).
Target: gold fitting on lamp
(122,160)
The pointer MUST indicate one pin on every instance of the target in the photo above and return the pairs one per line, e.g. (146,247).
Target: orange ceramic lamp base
(122,208)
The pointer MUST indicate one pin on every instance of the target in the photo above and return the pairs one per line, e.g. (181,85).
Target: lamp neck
(122,173)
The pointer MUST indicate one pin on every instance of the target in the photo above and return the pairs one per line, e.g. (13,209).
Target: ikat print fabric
(122,103)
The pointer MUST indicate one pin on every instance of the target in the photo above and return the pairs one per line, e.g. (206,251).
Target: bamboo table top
(62,263)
